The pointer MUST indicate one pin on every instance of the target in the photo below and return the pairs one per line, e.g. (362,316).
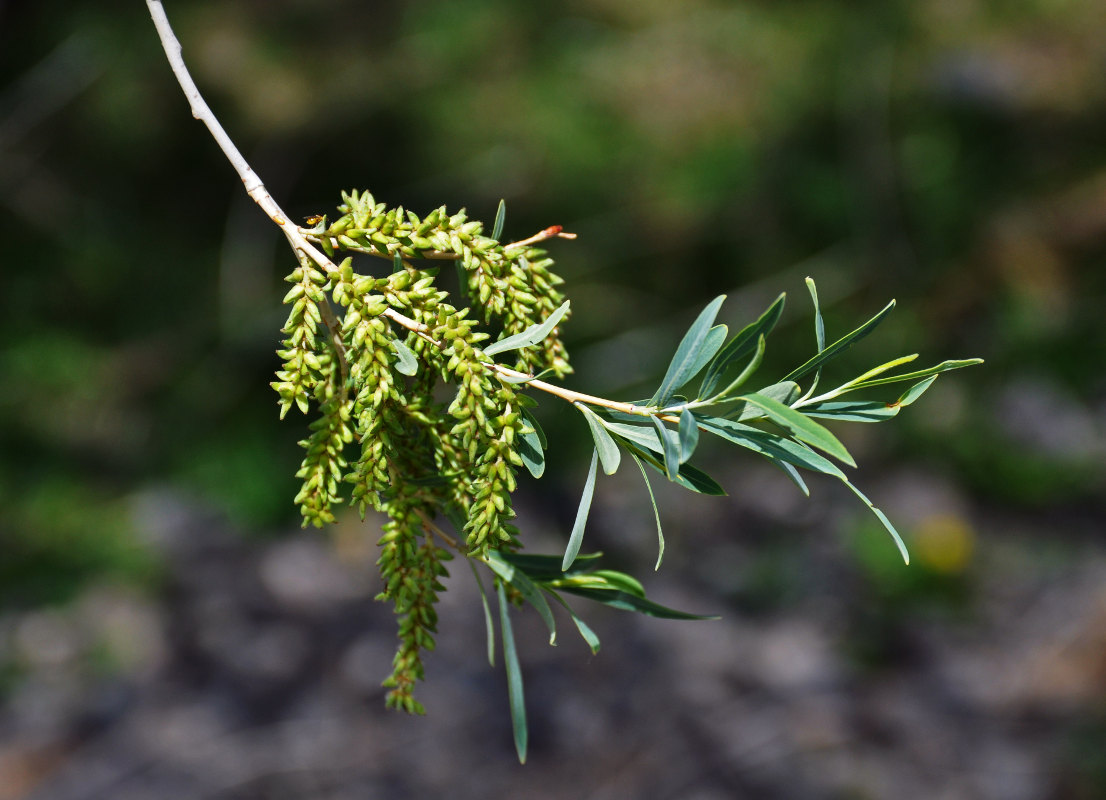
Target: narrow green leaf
(786,392)
(605,446)
(819,323)
(771,445)
(689,435)
(671,444)
(406,363)
(801,427)
(500,218)
(533,422)
(750,369)
(514,677)
(944,366)
(840,345)
(489,624)
(603,579)
(526,587)
(587,633)
(742,343)
(656,511)
(531,452)
(882,518)
(631,602)
(792,473)
(915,391)
(542,569)
(689,477)
(577,536)
(531,336)
(712,343)
(689,353)
(852,410)
(397,263)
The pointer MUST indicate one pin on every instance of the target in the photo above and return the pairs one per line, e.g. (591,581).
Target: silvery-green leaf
(406,363)
(514,677)
(577,536)
(690,352)
(840,345)
(533,335)
(742,343)
(605,446)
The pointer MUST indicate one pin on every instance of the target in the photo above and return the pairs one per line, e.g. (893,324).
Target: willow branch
(306,250)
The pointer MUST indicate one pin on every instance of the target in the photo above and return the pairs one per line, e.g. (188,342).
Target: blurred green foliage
(950,154)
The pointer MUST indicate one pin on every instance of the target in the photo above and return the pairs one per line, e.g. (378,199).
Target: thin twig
(306,250)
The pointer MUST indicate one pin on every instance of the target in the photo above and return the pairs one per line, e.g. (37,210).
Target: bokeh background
(168,631)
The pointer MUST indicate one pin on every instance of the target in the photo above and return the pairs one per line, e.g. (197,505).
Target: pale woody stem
(256,190)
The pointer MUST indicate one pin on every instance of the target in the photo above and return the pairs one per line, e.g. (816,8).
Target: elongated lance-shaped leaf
(532,421)
(671,446)
(645,444)
(656,511)
(944,366)
(819,323)
(397,263)
(602,579)
(712,343)
(630,602)
(771,445)
(840,345)
(526,587)
(581,522)
(489,624)
(750,369)
(609,455)
(689,435)
(500,218)
(855,383)
(792,473)
(865,410)
(785,392)
(689,353)
(801,427)
(531,336)
(514,677)
(406,363)
(852,410)
(915,391)
(739,345)
(542,568)
(883,519)
(586,632)
(531,452)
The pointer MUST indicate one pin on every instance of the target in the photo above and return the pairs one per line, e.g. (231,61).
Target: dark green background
(949,154)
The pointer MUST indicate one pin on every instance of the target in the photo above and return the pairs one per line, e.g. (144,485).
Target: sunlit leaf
(656,512)
(489,623)
(819,323)
(531,336)
(742,343)
(750,369)
(406,363)
(690,352)
(801,427)
(770,444)
(541,568)
(689,435)
(915,391)
(609,455)
(577,536)
(840,345)
(533,422)
(852,410)
(883,519)
(526,587)
(531,452)
(500,218)
(514,677)
(944,366)
(631,602)
(671,445)
(586,632)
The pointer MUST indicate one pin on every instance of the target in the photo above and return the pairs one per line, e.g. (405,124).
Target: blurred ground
(166,631)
